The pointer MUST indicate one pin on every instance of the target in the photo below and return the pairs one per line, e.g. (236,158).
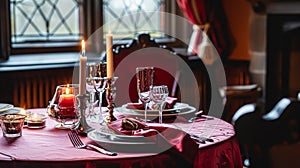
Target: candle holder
(82,127)
(110,97)
(35,120)
(62,107)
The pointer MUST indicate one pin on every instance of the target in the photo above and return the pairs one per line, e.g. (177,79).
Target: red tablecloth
(51,147)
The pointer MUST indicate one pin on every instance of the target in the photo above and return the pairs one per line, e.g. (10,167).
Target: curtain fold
(208,16)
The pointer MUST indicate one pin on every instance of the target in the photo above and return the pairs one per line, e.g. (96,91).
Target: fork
(77,143)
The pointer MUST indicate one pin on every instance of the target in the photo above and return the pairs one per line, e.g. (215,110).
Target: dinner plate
(177,106)
(5,107)
(179,109)
(14,110)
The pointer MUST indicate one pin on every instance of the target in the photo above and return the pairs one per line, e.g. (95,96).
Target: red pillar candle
(66,104)
(67,99)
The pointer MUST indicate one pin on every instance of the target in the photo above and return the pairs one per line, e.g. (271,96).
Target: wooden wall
(238,12)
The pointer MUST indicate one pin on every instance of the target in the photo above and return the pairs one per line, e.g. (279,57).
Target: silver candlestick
(82,127)
(110,97)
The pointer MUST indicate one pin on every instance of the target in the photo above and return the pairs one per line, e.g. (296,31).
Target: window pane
(128,17)
(45,20)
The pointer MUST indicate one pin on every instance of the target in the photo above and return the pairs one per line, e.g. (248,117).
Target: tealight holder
(12,125)
(110,97)
(36,120)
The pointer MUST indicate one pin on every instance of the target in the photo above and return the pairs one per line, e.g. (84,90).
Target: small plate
(107,135)
(5,107)
(106,131)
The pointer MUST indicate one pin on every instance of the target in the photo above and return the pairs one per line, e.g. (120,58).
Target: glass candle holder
(12,125)
(62,107)
(36,120)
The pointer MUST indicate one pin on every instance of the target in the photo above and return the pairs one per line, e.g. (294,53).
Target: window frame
(90,23)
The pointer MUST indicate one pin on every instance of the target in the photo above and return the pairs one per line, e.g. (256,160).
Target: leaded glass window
(45,20)
(128,17)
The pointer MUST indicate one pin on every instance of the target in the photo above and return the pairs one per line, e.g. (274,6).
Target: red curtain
(209,15)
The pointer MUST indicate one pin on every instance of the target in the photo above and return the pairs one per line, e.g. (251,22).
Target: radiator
(35,90)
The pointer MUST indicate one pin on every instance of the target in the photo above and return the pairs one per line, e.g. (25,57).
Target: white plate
(106,131)
(110,137)
(181,109)
(177,106)
(241,87)
(5,107)
(104,134)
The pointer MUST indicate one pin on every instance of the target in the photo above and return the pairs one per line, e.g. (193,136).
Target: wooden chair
(270,139)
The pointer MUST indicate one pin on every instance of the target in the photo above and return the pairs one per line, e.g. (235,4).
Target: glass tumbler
(12,125)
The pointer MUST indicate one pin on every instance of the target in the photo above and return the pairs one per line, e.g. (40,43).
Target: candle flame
(83,47)
(23,111)
(67,90)
(35,115)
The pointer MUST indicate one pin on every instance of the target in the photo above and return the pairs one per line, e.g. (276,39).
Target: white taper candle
(82,70)
(109,55)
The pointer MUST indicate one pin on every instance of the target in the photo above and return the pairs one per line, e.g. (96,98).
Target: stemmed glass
(144,77)
(159,94)
(99,85)
(95,82)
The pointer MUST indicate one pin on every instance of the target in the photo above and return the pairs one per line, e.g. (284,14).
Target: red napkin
(165,136)
(170,102)
(139,106)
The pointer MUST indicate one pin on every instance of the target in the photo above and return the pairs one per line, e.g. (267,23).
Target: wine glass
(91,72)
(159,94)
(144,77)
(99,85)
(95,83)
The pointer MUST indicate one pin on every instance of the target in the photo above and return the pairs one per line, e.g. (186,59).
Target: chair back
(144,51)
(270,139)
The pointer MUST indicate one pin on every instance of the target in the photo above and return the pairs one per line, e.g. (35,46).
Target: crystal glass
(12,125)
(158,95)
(63,106)
(95,83)
(144,77)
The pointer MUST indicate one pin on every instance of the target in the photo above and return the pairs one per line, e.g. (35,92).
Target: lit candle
(66,100)
(66,104)
(109,56)
(82,70)
(36,120)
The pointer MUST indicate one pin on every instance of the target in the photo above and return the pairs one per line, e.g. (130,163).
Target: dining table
(51,147)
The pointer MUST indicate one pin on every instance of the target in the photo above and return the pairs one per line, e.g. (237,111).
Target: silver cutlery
(201,139)
(77,143)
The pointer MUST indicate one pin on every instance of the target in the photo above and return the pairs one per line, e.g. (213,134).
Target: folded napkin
(165,136)
(139,106)
(170,102)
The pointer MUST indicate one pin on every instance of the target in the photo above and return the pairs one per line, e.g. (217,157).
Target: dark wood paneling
(45,80)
